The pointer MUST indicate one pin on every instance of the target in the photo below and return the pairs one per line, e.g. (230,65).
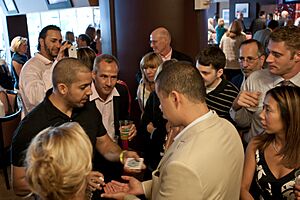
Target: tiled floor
(4,193)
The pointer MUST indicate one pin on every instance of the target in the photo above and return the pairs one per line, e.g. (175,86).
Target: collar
(199,119)
(42,58)
(53,112)
(168,56)
(295,80)
(95,94)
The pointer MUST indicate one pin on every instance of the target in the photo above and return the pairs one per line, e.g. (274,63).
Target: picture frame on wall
(225,15)
(10,6)
(242,7)
(59,4)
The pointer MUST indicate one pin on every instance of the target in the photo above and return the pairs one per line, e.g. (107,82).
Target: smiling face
(281,60)
(271,116)
(51,44)
(105,78)
(79,91)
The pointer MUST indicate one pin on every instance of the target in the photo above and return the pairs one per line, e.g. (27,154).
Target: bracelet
(121,156)
(27,196)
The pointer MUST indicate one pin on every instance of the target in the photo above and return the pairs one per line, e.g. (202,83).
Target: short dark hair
(261,13)
(66,70)
(107,58)
(87,56)
(272,24)
(86,38)
(212,56)
(289,35)
(90,30)
(260,48)
(184,78)
(43,33)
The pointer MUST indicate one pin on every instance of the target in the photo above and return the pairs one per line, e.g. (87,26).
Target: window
(71,19)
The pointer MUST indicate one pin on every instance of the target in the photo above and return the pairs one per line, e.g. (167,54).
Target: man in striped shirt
(220,93)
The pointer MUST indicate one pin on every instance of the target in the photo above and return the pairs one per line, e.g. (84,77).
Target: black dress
(21,59)
(153,142)
(268,186)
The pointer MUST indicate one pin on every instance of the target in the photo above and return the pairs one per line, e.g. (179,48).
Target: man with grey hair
(160,42)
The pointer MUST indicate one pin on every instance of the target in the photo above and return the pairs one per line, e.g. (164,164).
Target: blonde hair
(221,22)
(58,161)
(149,60)
(16,42)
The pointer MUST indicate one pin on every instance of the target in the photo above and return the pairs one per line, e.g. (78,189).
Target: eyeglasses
(249,60)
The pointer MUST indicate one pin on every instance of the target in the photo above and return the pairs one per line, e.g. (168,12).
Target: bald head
(160,40)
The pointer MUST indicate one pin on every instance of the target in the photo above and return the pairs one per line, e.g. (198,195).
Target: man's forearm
(110,150)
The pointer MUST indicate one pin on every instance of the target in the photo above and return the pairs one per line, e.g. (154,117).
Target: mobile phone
(132,163)
(72,52)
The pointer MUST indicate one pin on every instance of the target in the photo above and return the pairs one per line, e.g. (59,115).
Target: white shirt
(167,57)
(106,108)
(262,81)
(35,80)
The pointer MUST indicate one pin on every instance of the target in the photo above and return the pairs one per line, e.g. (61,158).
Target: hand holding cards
(133,163)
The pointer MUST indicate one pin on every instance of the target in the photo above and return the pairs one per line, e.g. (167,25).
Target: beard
(49,52)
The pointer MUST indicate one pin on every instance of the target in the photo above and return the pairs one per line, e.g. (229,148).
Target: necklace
(274,147)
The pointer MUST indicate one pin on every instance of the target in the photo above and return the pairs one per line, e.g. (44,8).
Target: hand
(132,154)
(246,99)
(61,53)
(132,132)
(95,181)
(297,191)
(118,190)
(150,128)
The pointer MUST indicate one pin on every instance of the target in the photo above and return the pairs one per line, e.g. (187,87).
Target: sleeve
(23,135)
(242,117)
(178,182)
(18,147)
(35,84)
(47,76)
(100,127)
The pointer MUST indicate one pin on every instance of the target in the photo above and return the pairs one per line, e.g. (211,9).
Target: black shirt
(45,115)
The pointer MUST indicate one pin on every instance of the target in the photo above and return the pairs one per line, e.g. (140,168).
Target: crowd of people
(224,125)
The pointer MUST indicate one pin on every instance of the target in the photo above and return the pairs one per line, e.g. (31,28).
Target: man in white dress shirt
(35,76)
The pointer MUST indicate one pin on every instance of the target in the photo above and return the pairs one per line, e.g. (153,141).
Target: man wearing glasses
(283,68)
(252,58)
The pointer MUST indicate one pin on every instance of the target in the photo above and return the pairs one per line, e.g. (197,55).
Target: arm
(248,172)
(17,67)
(19,183)
(240,110)
(111,151)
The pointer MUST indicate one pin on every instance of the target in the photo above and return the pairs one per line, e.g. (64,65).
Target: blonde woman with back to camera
(58,162)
